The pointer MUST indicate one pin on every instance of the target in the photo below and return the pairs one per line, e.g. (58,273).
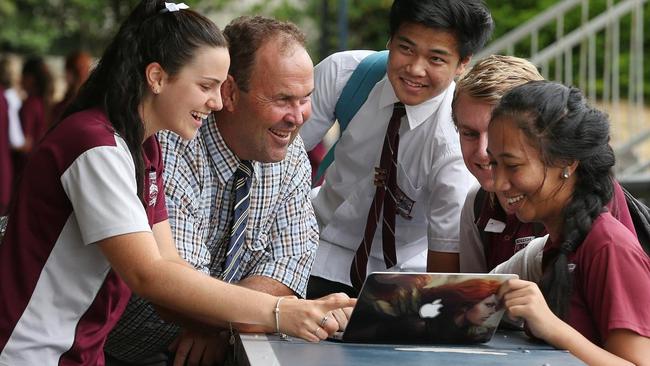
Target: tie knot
(245,169)
(395,120)
(399,110)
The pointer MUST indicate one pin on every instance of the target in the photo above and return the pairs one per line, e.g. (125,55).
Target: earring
(155,90)
(565,173)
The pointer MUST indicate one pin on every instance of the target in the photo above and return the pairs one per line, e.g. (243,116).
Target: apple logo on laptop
(431,310)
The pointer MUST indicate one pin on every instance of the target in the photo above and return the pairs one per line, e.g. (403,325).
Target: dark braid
(566,129)
(117,84)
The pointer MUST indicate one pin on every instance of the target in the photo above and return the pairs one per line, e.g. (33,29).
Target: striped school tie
(386,182)
(239,220)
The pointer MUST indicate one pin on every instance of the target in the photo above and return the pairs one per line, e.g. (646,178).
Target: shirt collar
(416,114)
(224,159)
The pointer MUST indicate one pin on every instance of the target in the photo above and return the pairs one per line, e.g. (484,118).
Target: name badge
(495,226)
(404,204)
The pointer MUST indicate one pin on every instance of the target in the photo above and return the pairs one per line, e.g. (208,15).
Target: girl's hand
(312,320)
(523,299)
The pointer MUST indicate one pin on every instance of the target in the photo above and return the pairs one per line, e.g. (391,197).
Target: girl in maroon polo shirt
(552,161)
(89,223)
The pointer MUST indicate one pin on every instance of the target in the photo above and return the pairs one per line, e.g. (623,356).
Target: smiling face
(422,62)
(267,118)
(184,101)
(480,312)
(534,192)
(472,117)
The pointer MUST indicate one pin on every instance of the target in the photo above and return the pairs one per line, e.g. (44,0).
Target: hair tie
(172,7)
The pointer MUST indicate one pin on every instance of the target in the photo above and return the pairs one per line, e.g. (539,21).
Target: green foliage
(285,10)
(58,26)
(369,19)
(7,9)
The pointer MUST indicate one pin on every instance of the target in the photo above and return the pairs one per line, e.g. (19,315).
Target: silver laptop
(426,308)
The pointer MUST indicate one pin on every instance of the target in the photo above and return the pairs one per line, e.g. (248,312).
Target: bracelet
(276,311)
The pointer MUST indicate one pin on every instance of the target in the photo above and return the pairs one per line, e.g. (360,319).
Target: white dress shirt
(16,137)
(430,171)
(527,263)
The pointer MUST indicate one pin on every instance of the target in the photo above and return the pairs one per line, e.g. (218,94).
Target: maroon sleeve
(6,168)
(32,119)
(618,208)
(616,283)
(27,119)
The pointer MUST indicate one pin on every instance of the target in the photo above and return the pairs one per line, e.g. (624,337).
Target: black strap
(640,214)
(479,202)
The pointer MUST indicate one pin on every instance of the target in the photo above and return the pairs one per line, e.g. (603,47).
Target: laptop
(426,308)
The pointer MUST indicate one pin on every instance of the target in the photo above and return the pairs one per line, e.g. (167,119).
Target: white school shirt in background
(431,172)
(16,136)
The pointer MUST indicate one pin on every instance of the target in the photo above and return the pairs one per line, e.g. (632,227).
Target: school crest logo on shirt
(521,243)
(153,189)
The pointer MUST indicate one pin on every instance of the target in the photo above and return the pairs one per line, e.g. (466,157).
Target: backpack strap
(355,93)
(640,214)
(479,202)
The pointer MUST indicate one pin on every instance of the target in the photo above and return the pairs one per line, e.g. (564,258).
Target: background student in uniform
(36,82)
(392,197)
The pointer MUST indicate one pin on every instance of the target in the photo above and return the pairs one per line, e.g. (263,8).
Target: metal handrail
(560,54)
(577,36)
(527,28)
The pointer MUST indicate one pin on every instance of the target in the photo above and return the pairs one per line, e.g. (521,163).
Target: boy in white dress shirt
(431,42)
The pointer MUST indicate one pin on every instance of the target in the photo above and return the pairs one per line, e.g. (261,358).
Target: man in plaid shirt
(266,99)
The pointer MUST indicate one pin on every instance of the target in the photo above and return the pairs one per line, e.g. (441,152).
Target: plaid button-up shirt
(281,233)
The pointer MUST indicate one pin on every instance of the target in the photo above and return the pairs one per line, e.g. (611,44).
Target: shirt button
(507,237)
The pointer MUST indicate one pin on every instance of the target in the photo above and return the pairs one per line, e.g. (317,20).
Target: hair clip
(171,7)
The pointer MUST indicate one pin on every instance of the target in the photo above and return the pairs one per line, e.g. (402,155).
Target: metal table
(505,348)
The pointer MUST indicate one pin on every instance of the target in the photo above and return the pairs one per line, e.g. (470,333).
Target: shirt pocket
(258,239)
(257,249)
(414,198)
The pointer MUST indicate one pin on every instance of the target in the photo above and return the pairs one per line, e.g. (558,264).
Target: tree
(59,26)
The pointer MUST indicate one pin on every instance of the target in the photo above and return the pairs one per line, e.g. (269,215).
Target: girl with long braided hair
(552,161)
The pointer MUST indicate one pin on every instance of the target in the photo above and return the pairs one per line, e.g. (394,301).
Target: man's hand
(200,349)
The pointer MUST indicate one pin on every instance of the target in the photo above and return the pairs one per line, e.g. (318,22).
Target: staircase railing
(601,84)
